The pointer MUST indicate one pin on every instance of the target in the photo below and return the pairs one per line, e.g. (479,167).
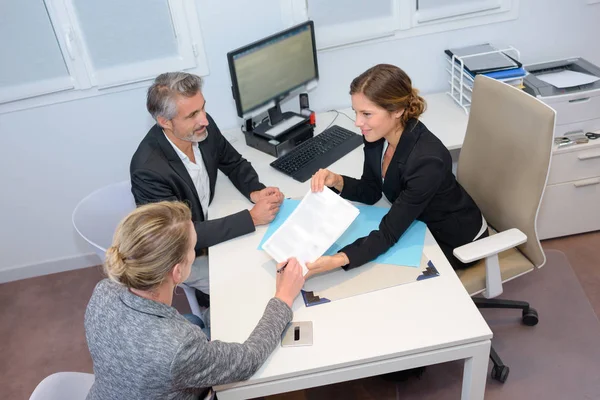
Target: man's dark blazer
(420,185)
(157,173)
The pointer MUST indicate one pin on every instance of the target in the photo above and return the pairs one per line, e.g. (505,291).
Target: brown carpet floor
(41,332)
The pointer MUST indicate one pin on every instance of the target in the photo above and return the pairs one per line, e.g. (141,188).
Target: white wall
(51,157)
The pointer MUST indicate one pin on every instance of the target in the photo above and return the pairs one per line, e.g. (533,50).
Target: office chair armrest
(490,245)
(489,248)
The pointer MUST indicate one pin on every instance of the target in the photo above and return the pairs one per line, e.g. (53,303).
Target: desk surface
(413,318)
(443,117)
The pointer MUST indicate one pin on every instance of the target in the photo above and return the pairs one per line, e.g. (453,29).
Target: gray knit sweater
(143,349)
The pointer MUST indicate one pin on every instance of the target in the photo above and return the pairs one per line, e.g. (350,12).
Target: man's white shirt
(198,174)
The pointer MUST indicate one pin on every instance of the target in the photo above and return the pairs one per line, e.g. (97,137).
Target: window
(65,47)
(342,22)
(435,10)
(33,64)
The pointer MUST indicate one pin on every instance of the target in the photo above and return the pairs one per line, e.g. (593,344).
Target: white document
(313,227)
(566,78)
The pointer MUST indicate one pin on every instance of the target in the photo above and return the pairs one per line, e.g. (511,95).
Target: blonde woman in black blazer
(406,163)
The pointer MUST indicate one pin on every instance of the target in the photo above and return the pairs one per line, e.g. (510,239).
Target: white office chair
(96,217)
(64,386)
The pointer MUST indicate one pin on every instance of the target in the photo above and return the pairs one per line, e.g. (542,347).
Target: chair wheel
(530,317)
(500,373)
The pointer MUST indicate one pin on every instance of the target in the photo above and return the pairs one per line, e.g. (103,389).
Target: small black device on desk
(318,152)
(282,143)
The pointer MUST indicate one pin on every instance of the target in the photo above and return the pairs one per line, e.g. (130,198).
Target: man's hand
(257,195)
(326,263)
(265,210)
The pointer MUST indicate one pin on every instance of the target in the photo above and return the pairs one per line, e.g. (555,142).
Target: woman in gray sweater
(141,347)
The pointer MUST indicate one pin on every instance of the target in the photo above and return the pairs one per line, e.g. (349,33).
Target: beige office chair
(504,165)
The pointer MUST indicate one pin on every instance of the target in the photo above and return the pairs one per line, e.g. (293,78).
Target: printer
(577,103)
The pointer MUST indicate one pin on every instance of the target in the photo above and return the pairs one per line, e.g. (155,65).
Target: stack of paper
(402,263)
(406,252)
(487,60)
(312,228)
(566,78)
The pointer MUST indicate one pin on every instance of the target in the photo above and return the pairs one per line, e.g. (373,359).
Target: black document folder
(479,63)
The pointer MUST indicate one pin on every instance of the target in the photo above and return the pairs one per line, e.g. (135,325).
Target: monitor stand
(275,115)
(285,142)
(279,123)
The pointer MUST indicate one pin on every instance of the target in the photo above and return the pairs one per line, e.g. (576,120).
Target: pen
(280,270)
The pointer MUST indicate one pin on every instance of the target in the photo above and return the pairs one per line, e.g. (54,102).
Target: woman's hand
(289,281)
(325,177)
(326,263)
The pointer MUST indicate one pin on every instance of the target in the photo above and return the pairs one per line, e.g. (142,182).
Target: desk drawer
(582,108)
(570,208)
(575,165)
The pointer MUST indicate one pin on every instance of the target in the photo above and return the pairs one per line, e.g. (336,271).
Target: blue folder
(506,74)
(407,251)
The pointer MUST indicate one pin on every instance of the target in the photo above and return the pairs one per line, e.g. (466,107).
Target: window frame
(340,34)
(483,7)
(411,22)
(83,81)
(42,87)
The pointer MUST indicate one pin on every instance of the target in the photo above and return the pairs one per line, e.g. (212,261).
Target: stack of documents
(406,252)
(567,78)
(304,229)
(487,60)
(466,62)
(312,228)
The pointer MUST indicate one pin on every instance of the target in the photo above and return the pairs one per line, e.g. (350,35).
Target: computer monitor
(265,72)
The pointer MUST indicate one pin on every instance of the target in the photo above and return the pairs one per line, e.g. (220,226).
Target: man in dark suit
(179,158)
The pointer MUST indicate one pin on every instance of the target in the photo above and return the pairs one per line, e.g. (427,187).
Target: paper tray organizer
(461,82)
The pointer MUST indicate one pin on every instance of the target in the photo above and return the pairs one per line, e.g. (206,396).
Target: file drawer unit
(571,202)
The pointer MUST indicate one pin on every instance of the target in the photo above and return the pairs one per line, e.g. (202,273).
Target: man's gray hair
(161,101)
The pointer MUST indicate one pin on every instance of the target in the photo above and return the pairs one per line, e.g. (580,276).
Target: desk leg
(475,373)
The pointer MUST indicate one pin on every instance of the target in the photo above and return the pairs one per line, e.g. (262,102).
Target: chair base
(499,370)
(481,302)
(529,317)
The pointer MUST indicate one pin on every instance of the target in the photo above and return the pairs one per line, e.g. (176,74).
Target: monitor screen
(271,68)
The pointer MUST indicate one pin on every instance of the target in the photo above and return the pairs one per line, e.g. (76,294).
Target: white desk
(406,326)
(446,120)
(442,117)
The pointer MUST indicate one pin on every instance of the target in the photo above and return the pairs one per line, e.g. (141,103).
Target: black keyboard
(317,152)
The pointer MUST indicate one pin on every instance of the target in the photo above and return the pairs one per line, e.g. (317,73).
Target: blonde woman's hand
(289,281)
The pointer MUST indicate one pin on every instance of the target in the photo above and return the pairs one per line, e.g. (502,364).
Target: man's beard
(196,137)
